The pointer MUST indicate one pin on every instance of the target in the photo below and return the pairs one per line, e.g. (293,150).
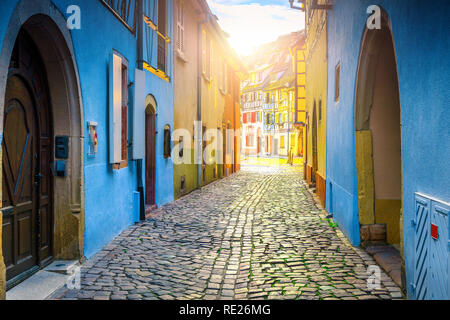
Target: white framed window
(118,109)
(180,43)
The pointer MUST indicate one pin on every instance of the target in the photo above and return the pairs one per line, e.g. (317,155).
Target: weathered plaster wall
(422,45)
(185,98)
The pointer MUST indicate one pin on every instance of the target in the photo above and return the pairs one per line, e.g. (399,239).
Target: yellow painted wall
(316,88)
(388,212)
(366,187)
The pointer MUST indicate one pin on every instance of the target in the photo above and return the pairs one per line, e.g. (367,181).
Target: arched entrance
(378,137)
(150,152)
(27,184)
(40,98)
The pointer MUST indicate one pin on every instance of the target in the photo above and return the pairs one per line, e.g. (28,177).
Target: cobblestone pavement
(255,235)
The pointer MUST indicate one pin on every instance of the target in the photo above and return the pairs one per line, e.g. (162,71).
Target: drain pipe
(140,58)
(199,102)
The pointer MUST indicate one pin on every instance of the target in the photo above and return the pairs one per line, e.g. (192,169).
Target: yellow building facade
(316,100)
(207,74)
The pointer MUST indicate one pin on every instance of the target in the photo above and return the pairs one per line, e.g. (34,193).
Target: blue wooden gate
(431,247)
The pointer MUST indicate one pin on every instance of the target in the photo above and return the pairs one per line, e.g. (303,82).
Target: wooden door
(314,145)
(150,160)
(27,153)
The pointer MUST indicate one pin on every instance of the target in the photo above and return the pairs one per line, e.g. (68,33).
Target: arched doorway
(378,136)
(27,199)
(315,167)
(40,96)
(150,152)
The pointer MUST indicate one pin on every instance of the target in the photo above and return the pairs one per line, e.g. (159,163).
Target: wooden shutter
(124,147)
(204,56)
(180,26)
(162,30)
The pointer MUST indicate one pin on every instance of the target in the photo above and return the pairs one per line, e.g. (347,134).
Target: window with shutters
(206,55)
(180,26)
(119,111)
(162,32)
(167,142)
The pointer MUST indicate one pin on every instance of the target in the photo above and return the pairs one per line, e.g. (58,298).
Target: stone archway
(378,138)
(46,26)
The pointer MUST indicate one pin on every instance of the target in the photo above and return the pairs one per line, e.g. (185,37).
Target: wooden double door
(27,151)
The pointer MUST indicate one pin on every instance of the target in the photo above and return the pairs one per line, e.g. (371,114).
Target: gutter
(140,58)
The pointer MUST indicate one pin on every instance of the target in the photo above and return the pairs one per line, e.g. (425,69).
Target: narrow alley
(257,234)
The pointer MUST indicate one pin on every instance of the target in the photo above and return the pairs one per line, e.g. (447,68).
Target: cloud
(252,23)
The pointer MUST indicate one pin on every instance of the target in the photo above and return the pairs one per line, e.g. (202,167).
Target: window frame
(337,82)
(180,42)
(124,114)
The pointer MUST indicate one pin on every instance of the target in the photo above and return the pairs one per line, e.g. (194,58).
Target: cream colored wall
(185,74)
(385,126)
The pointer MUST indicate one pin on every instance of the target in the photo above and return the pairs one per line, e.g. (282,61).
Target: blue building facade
(104,65)
(412,76)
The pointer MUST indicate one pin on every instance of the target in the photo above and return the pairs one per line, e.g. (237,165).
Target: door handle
(37,179)
(7,211)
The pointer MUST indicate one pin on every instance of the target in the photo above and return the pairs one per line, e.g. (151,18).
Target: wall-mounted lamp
(313,5)
(302,5)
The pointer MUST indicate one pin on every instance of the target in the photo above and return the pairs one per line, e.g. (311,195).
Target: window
(282,142)
(180,26)
(162,31)
(124,11)
(338,81)
(225,77)
(244,118)
(320,110)
(220,74)
(206,54)
(167,142)
(181,147)
(118,111)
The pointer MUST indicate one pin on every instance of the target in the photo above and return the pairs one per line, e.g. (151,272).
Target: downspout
(199,102)
(140,58)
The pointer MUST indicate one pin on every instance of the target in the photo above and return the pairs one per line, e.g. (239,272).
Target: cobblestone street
(255,235)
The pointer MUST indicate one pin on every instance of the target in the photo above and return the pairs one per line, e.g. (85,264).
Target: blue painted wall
(420,32)
(163,93)
(109,193)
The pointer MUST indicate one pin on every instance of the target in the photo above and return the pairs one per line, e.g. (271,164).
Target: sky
(251,23)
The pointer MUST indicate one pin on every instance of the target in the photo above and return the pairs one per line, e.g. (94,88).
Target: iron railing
(124,10)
